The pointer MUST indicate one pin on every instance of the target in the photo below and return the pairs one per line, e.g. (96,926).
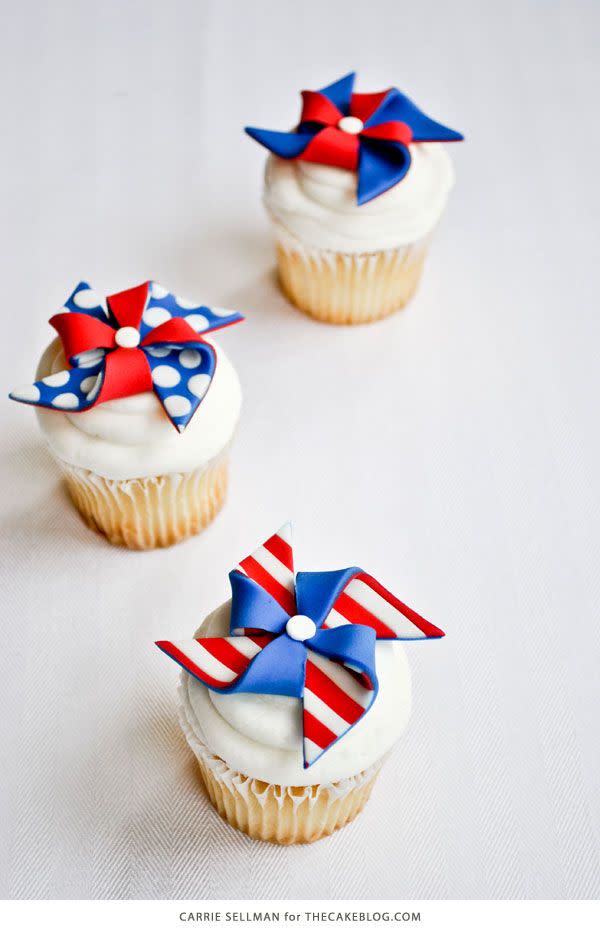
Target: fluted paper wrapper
(146,513)
(279,813)
(344,287)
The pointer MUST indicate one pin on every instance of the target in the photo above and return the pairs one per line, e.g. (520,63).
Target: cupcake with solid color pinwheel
(354,193)
(293,692)
(139,406)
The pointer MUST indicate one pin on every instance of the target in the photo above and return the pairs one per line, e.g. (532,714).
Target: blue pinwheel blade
(181,378)
(284,144)
(163,306)
(85,300)
(72,389)
(380,166)
(398,107)
(340,92)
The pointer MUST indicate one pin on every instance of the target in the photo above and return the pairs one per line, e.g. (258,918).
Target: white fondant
(198,385)
(351,124)
(90,358)
(88,383)
(158,291)
(165,376)
(260,735)
(222,311)
(317,203)
(132,437)
(197,321)
(87,299)
(300,628)
(189,358)
(127,337)
(66,401)
(158,351)
(27,392)
(177,406)
(95,389)
(186,304)
(154,316)
(57,380)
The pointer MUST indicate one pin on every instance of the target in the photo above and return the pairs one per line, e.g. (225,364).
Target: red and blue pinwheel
(366,133)
(311,636)
(142,339)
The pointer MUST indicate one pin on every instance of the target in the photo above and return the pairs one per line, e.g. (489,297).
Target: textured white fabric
(451,450)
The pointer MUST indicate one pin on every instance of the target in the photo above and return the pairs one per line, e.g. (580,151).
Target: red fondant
(79,333)
(126,372)
(333,147)
(127,306)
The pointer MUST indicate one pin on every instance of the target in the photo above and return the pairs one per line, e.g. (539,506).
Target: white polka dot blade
(163,305)
(72,389)
(85,300)
(181,379)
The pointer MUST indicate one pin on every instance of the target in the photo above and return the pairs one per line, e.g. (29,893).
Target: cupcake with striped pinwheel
(293,692)
(354,193)
(139,406)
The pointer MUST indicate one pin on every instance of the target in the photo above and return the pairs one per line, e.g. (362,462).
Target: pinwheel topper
(142,339)
(311,636)
(367,133)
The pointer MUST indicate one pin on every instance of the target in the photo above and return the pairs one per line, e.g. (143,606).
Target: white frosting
(260,735)
(317,204)
(132,437)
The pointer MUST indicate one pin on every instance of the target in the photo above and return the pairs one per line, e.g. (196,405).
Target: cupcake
(354,194)
(293,692)
(139,408)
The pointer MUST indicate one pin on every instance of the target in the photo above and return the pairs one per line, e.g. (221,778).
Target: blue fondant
(381,165)
(316,592)
(253,608)
(340,92)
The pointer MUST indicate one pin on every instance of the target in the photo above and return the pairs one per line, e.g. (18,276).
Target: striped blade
(272,567)
(365,601)
(217,662)
(334,700)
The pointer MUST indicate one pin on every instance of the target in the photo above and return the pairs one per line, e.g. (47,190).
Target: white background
(452,450)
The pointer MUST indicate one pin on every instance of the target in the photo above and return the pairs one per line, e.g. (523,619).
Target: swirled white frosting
(317,204)
(132,437)
(260,735)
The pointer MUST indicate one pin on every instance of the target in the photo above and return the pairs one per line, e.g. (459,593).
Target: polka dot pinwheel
(142,339)
(311,636)
(367,133)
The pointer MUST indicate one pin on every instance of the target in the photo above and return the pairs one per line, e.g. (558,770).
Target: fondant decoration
(311,636)
(142,339)
(367,133)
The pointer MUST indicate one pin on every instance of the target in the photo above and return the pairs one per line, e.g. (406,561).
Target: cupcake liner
(346,288)
(145,513)
(279,813)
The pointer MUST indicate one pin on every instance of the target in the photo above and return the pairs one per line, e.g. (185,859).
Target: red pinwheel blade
(334,701)
(272,567)
(365,601)
(217,662)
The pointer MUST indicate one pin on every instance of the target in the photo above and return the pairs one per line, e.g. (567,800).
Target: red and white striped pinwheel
(311,635)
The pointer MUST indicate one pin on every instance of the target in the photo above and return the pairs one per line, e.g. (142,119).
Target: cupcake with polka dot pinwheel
(139,406)
(354,193)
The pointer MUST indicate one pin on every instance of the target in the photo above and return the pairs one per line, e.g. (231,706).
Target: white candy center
(351,124)
(300,628)
(127,337)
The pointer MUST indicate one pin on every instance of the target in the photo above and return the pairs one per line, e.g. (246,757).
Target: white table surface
(452,450)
